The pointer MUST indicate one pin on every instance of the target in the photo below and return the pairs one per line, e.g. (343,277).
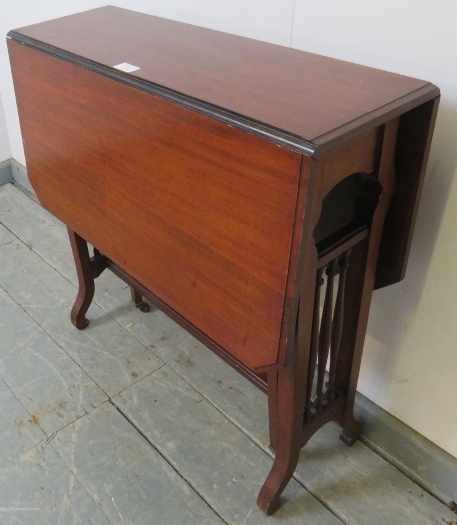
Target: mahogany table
(255,193)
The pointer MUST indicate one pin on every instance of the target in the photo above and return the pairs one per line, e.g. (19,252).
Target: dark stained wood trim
(254,127)
(278,136)
(340,242)
(300,210)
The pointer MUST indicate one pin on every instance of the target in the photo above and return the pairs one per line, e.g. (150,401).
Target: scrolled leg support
(87,269)
(282,471)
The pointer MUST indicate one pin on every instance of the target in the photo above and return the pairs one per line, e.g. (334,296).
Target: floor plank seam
(31,195)
(44,443)
(256,442)
(48,442)
(52,338)
(32,248)
(50,437)
(36,423)
(263,448)
(211,400)
(410,475)
(136,382)
(332,509)
(6,244)
(12,233)
(164,457)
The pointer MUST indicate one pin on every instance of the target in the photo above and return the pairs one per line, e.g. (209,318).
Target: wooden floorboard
(108,353)
(421,460)
(217,458)
(49,384)
(147,364)
(37,488)
(18,431)
(129,479)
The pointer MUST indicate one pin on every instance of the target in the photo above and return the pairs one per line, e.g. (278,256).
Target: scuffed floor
(133,422)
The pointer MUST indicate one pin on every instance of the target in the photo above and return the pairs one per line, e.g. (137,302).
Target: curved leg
(85,278)
(137,300)
(286,410)
(81,305)
(280,474)
(87,270)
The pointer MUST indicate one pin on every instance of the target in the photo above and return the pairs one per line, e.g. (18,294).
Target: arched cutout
(352,201)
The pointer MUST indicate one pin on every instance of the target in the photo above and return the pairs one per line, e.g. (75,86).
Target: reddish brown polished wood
(305,94)
(162,202)
(229,181)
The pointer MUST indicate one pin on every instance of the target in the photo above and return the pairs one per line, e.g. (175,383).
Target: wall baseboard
(422,461)
(20,178)
(6,173)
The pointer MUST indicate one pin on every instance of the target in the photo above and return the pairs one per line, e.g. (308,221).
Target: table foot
(347,438)
(267,505)
(137,300)
(281,472)
(78,319)
(143,307)
(351,431)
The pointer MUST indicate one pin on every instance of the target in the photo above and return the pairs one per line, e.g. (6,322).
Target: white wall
(5,150)
(410,357)
(410,360)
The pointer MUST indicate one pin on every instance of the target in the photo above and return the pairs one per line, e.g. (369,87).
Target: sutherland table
(256,194)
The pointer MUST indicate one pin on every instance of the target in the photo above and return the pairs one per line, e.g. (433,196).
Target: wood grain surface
(200,213)
(301,93)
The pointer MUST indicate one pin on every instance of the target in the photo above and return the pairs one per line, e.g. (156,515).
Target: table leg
(137,300)
(286,440)
(360,290)
(295,411)
(86,282)
(87,269)
(287,389)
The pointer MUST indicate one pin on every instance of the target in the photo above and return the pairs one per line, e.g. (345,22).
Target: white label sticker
(128,68)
